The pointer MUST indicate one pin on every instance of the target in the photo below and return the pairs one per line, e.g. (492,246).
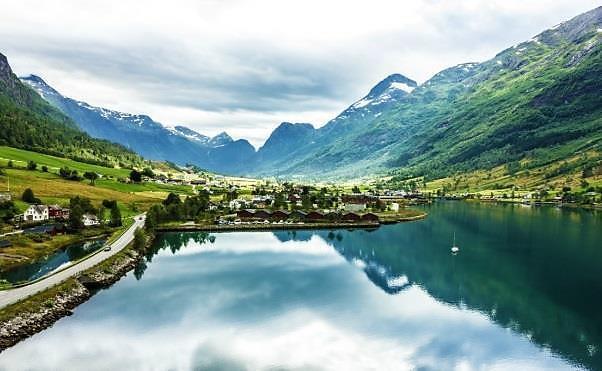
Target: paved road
(11,233)
(11,296)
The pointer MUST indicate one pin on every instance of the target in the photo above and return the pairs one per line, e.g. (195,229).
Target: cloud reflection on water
(250,301)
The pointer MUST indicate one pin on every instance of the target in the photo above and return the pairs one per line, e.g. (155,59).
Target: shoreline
(43,309)
(267,227)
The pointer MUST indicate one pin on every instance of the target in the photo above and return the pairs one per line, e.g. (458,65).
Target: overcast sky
(245,66)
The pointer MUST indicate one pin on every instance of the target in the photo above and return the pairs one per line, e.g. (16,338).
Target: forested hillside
(29,122)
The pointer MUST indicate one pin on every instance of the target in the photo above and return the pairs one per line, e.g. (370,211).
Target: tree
(587,172)
(139,239)
(8,210)
(135,176)
(10,163)
(31,165)
(45,168)
(355,189)
(76,214)
(148,172)
(29,197)
(115,216)
(69,174)
(109,204)
(101,214)
(91,176)
(172,199)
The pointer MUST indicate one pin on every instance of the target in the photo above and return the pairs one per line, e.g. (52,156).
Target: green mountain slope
(29,122)
(539,101)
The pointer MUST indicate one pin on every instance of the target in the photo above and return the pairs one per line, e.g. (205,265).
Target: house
(36,213)
(370,217)
(58,212)
(263,214)
(237,204)
(315,216)
(280,215)
(212,206)
(394,206)
(51,229)
(355,206)
(262,202)
(298,215)
(5,196)
(198,182)
(90,220)
(294,198)
(245,214)
(351,217)
(357,202)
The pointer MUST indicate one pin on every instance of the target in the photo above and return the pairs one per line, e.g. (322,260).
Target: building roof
(38,208)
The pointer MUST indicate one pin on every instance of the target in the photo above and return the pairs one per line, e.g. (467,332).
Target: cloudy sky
(245,66)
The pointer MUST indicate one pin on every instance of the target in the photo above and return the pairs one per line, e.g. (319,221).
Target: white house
(90,220)
(35,213)
(394,206)
(238,204)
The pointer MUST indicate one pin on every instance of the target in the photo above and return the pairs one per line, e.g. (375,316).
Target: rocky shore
(42,310)
(27,324)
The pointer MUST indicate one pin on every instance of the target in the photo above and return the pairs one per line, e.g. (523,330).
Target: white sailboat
(454,248)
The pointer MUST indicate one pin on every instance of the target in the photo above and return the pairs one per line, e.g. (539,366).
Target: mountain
(191,134)
(29,122)
(538,102)
(284,139)
(147,137)
(298,149)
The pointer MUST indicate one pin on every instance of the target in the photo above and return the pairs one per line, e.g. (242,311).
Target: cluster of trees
(174,209)
(136,176)
(8,210)
(78,206)
(69,174)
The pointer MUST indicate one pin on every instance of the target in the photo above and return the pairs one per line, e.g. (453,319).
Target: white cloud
(245,66)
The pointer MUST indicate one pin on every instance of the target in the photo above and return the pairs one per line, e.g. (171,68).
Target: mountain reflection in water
(523,293)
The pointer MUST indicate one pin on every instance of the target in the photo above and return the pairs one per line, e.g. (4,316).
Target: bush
(139,239)
(45,168)
(69,174)
(31,165)
(29,197)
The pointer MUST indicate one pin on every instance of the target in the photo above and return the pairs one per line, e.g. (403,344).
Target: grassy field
(499,181)
(25,250)
(51,189)
(21,157)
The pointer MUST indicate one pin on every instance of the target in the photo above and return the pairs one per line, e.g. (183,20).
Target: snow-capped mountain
(381,97)
(146,136)
(189,134)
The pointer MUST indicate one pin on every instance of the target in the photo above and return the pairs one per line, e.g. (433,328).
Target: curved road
(11,296)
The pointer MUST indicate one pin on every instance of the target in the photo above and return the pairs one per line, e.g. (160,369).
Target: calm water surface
(525,293)
(60,259)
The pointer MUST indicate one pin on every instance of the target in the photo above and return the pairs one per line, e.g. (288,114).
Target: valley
(448,222)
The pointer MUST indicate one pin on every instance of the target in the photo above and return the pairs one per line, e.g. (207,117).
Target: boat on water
(455,249)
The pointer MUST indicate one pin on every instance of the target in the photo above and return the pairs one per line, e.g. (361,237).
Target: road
(11,296)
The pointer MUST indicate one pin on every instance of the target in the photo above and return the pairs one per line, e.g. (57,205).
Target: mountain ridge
(146,136)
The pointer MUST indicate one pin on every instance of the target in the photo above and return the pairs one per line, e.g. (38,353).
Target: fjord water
(58,260)
(525,292)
